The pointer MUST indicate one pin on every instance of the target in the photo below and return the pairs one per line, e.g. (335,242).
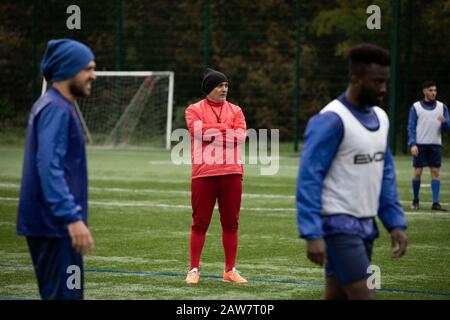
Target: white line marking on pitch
(181,206)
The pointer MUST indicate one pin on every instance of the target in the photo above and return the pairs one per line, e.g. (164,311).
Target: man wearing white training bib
(347,178)
(427,120)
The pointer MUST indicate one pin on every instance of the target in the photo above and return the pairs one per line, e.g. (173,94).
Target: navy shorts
(348,258)
(429,156)
(56,265)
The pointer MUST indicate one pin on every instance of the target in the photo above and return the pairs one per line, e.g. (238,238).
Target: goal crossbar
(169,74)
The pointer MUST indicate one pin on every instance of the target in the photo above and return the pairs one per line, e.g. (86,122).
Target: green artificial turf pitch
(140,218)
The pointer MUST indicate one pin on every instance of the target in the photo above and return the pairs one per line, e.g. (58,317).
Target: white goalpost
(128,108)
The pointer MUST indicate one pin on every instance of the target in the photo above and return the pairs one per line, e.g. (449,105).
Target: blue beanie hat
(64,58)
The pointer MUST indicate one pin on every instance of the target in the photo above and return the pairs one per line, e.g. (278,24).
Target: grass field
(140,218)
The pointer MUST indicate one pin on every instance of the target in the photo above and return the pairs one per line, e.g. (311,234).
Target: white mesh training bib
(353,183)
(428,129)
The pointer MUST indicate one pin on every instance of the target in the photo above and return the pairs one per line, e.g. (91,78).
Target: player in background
(52,212)
(210,122)
(347,178)
(427,120)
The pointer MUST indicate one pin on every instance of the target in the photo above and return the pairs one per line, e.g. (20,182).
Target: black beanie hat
(211,79)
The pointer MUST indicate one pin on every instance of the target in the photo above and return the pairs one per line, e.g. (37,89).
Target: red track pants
(227,189)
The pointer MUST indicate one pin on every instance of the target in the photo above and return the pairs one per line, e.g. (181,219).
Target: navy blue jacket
(54,186)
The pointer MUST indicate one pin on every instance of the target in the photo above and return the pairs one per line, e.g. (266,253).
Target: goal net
(128,108)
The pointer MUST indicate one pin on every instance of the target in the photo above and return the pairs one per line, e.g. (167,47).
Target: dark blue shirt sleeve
(390,211)
(323,136)
(53,132)
(412,124)
(446,124)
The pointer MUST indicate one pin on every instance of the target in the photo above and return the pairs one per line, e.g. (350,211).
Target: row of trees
(253,42)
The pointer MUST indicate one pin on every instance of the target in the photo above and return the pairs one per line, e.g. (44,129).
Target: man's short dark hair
(365,54)
(428,84)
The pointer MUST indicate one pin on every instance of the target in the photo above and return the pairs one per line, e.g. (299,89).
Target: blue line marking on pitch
(160,274)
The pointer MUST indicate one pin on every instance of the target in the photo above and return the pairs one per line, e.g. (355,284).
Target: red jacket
(215,150)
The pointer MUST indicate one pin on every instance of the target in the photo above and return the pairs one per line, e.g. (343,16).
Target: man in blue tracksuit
(427,120)
(52,212)
(347,178)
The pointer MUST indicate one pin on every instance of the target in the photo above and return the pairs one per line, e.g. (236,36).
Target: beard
(370,98)
(79,88)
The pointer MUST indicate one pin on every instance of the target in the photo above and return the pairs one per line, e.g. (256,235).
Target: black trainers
(415,205)
(436,206)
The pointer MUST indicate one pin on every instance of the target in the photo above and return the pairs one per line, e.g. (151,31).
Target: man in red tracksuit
(217,128)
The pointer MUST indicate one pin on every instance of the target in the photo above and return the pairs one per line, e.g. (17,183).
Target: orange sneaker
(233,276)
(193,276)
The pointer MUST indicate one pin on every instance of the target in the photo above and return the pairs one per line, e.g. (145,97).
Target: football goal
(128,108)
